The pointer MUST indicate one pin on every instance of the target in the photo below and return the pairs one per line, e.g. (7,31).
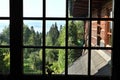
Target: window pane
(101,62)
(55,61)
(32,60)
(102,8)
(32,32)
(32,8)
(77,62)
(4,8)
(55,33)
(76,33)
(102,33)
(78,8)
(4,32)
(55,8)
(4,60)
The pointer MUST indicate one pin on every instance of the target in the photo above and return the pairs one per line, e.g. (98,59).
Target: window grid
(7,46)
(44,40)
(66,47)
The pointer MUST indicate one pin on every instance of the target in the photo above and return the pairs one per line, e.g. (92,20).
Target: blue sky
(54,8)
(3,24)
(37,24)
(34,8)
(4,8)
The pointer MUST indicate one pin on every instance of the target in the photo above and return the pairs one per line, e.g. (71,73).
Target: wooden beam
(84,8)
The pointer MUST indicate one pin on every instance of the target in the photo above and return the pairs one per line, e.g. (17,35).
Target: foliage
(54,37)
(4,60)
(4,36)
(53,34)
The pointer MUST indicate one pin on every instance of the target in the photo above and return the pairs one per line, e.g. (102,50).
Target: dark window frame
(16,45)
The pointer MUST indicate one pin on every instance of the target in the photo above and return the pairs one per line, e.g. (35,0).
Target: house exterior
(101,30)
(99,24)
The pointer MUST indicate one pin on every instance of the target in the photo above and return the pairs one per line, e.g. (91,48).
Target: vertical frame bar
(44,28)
(16,23)
(89,47)
(66,50)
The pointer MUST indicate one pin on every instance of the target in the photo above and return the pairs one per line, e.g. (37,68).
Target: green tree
(4,60)
(72,34)
(5,36)
(61,39)
(52,36)
(26,34)
(61,60)
(51,55)
(38,38)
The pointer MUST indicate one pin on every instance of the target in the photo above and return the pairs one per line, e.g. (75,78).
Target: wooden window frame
(16,45)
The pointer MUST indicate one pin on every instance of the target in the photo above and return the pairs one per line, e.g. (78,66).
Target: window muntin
(4,8)
(4,42)
(87,29)
(90,49)
(99,18)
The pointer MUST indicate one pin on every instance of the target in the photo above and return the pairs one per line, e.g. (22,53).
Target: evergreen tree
(26,34)
(5,36)
(53,35)
(72,34)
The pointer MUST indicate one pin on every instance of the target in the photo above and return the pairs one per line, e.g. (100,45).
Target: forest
(55,58)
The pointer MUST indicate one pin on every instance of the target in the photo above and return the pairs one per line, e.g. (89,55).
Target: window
(4,37)
(45,43)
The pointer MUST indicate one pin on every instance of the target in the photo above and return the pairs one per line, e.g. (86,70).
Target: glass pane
(102,9)
(55,33)
(77,8)
(77,62)
(55,8)
(102,33)
(32,58)
(101,62)
(32,8)
(55,61)
(32,32)
(4,32)
(4,8)
(76,33)
(4,60)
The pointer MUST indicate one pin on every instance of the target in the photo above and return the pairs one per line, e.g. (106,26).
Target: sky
(3,24)
(4,8)
(34,8)
(37,24)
